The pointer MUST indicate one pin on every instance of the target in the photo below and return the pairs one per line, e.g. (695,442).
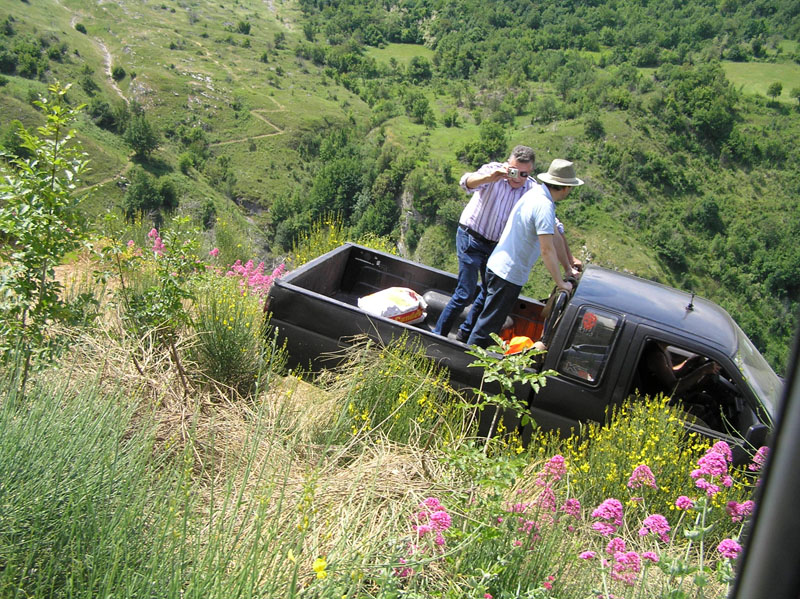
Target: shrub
(80,27)
(232,345)
(118,73)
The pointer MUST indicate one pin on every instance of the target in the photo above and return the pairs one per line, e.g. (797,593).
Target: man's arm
(564,255)
(473,180)
(550,259)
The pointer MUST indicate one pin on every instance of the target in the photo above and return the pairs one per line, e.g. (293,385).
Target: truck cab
(605,339)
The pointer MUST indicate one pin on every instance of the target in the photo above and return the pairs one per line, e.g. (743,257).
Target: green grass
(756,77)
(402,53)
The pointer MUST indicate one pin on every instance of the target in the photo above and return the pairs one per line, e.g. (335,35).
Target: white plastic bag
(398,303)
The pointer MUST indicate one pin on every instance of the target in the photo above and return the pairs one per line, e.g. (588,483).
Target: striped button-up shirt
(487,211)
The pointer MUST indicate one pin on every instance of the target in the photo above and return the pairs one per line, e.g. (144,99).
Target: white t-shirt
(518,249)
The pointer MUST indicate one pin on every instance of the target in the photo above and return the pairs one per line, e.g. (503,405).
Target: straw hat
(561,172)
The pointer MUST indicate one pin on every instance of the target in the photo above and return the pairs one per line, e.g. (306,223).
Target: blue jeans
(500,298)
(472,256)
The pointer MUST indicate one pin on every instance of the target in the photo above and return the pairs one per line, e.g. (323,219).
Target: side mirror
(757,435)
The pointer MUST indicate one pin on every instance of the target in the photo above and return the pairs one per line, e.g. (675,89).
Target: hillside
(268,115)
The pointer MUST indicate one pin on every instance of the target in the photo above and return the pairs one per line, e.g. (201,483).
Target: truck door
(583,353)
(704,382)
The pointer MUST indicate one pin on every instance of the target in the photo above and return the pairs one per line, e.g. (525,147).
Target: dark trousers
(472,256)
(500,298)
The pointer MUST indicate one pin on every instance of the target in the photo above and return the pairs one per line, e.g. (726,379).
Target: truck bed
(315,307)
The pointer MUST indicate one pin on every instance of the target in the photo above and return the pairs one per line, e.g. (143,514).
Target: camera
(513,172)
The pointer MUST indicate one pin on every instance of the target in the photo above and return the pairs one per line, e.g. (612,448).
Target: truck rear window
(589,345)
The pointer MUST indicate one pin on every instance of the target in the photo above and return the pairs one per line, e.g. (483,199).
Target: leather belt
(476,235)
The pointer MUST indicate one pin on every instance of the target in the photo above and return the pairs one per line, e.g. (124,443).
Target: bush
(118,73)
(232,346)
(80,27)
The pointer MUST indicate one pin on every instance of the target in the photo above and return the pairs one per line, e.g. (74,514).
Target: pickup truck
(598,337)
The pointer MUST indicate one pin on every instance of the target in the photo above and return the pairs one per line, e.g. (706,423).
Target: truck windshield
(758,374)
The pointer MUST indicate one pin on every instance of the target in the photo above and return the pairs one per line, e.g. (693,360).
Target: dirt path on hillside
(256,112)
(108,61)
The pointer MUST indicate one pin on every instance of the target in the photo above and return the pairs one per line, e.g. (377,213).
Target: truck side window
(589,345)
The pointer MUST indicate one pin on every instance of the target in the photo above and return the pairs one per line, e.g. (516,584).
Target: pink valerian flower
(604,528)
(610,511)
(547,500)
(548,583)
(759,459)
(616,545)
(432,518)
(440,519)
(729,548)
(403,571)
(518,508)
(684,503)
(723,448)
(153,233)
(642,476)
(626,568)
(658,525)
(739,511)
(587,555)
(214,253)
(711,464)
(710,488)
(572,507)
(487,596)
(253,277)
(131,244)
(650,556)
(158,246)
(554,468)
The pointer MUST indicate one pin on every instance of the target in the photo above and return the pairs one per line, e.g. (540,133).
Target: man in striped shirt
(495,188)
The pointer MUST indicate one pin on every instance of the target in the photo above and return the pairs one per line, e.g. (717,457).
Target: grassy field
(756,77)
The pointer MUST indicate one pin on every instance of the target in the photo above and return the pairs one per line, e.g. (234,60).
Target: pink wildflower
(626,567)
(555,468)
(404,571)
(723,448)
(572,507)
(650,556)
(158,246)
(738,511)
(439,539)
(729,548)
(684,503)
(431,503)
(440,519)
(548,583)
(642,476)
(615,545)
(604,528)
(658,525)
(759,459)
(547,500)
(214,253)
(131,244)
(487,596)
(153,233)
(587,555)
(610,509)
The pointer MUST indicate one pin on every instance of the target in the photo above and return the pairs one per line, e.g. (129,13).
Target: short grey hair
(523,154)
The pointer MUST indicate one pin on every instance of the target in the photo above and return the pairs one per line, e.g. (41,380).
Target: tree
(795,93)
(141,136)
(118,73)
(39,225)
(774,90)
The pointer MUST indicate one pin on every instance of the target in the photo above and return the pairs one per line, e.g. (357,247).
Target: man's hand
(565,286)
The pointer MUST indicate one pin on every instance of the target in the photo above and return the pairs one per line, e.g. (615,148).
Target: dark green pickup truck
(598,338)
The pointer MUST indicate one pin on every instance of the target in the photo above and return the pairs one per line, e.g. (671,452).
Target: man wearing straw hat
(529,233)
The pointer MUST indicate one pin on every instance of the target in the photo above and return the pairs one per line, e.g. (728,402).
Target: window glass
(589,344)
